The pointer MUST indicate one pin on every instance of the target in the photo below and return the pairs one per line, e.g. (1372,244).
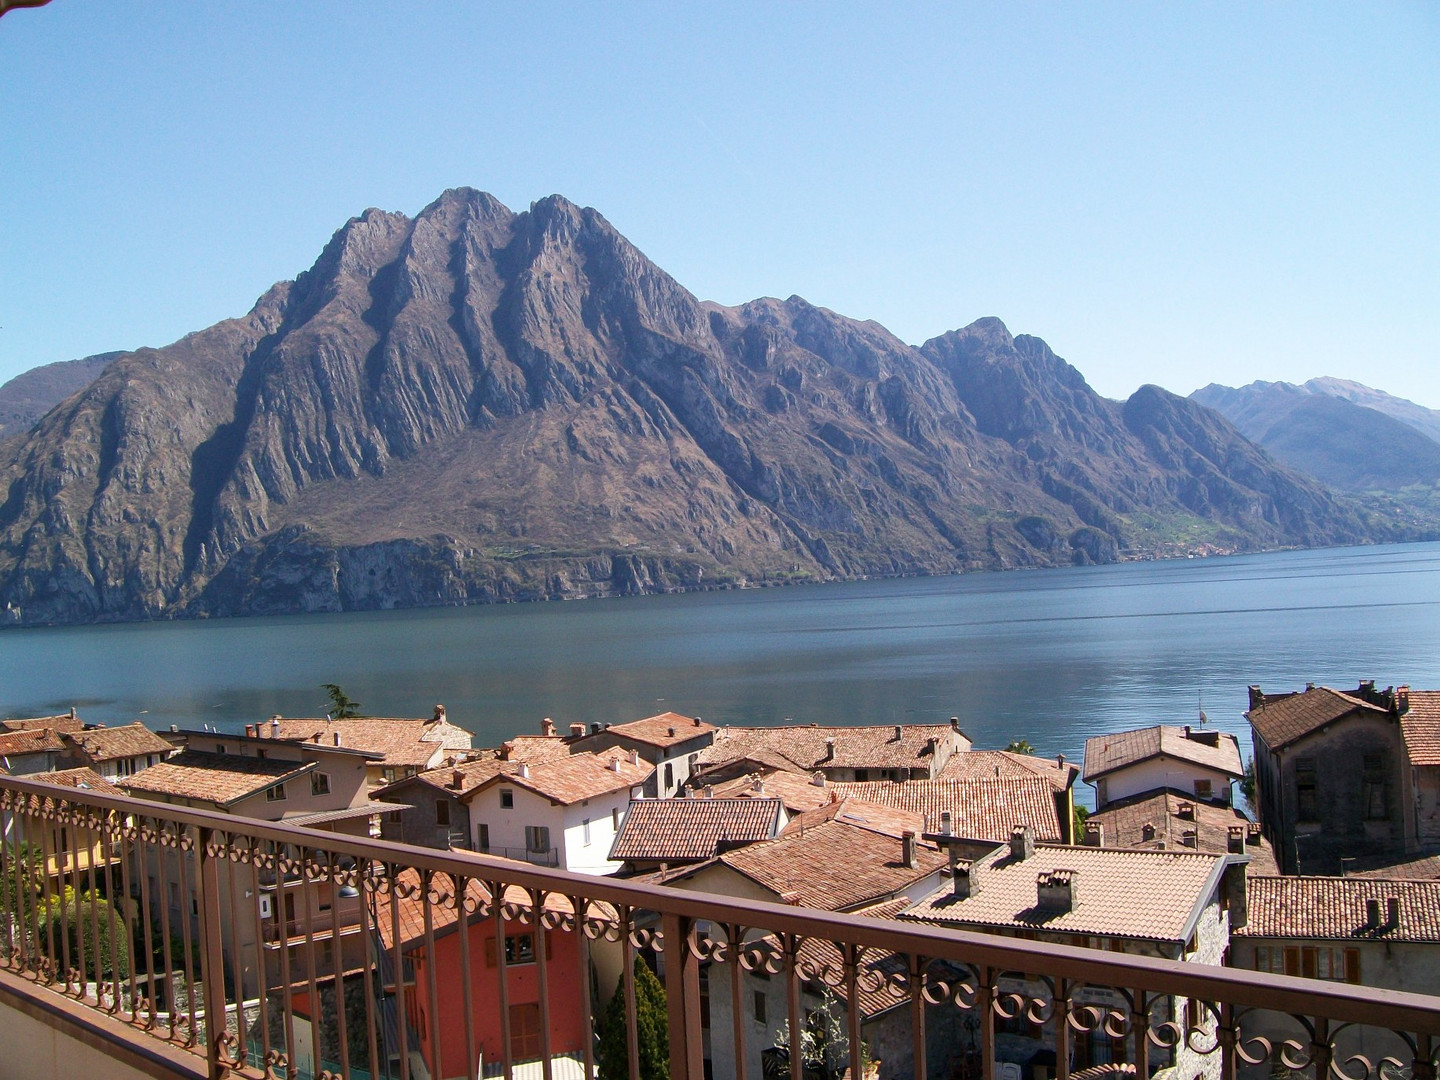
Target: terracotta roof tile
(808,748)
(676,830)
(980,809)
(797,791)
(664,730)
(32,741)
(1125,821)
(1284,718)
(472,774)
(1425,868)
(86,778)
(575,777)
(65,722)
(891,821)
(1420,725)
(1335,909)
(406,743)
(111,744)
(1106,753)
(534,748)
(1133,894)
(989,764)
(219,778)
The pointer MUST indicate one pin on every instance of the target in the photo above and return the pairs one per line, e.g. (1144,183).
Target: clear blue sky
(1166,193)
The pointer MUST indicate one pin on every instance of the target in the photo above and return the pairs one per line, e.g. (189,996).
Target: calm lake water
(1050,656)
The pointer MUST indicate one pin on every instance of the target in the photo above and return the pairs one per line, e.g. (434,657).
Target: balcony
(121,970)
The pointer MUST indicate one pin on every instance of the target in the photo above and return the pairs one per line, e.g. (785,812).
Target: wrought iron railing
(474,960)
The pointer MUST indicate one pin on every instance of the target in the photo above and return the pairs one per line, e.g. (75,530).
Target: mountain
(1344,444)
(1426,421)
(31,394)
(478,405)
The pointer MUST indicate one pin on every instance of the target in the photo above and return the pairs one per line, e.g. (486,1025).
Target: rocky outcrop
(476,405)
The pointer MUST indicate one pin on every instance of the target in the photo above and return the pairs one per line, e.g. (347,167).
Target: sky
(1166,193)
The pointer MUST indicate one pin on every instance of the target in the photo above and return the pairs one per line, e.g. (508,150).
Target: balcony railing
(930,1003)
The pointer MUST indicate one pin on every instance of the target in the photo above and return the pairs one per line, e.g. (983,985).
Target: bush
(652,1028)
(71,921)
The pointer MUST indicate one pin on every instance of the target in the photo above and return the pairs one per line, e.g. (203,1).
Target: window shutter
(1307,963)
(1292,960)
(490,952)
(1352,965)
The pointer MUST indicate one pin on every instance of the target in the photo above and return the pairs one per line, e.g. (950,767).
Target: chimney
(1094,834)
(72,712)
(1057,890)
(758,785)
(954,723)
(1235,841)
(818,779)
(614,765)
(1372,912)
(1252,834)
(907,848)
(457,779)
(670,732)
(595,729)
(1309,686)
(1392,912)
(1185,811)
(1022,842)
(250,731)
(947,822)
(1147,831)
(898,733)
(1060,760)
(506,749)
(1189,838)
(829,749)
(965,876)
(930,744)
(275,727)
(634,757)
(577,731)
(175,727)
(337,738)
(315,736)
(439,713)
(1402,700)
(547,727)
(1257,697)
(698,721)
(709,792)
(523,770)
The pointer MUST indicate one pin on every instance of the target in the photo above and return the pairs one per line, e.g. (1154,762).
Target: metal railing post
(212,957)
(682,997)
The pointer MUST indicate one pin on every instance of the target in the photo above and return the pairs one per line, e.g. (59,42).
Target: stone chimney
(898,733)
(1185,811)
(1094,834)
(930,745)
(1235,840)
(829,749)
(1257,697)
(1402,700)
(965,876)
(1022,842)
(1252,834)
(1372,912)
(457,779)
(439,714)
(907,848)
(947,822)
(634,757)
(577,731)
(1057,890)
(1147,831)
(818,780)
(547,727)
(1392,912)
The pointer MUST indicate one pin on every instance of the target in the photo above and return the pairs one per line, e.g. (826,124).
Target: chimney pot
(907,848)
(1022,842)
(1094,834)
(1392,912)
(1372,912)
(1057,890)
(577,731)
(947,822)
(1235,841)
(547,727)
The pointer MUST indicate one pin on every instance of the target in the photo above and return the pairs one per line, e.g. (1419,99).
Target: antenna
(1200,703)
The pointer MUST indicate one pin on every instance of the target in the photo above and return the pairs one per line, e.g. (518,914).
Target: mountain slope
(1426,421)
(31,394)
(477,405)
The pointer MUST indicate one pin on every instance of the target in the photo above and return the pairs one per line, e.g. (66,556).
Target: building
(562,812)
(987,809)
(64,722)
(1202,762)
(797,792)
(1179,905)
(1376,932)
(884,752)
(406,746)
(431,808)
(115,752)
(1330,775)
(661,833)
(30,750)
(71,848)
(1176,820)
(670,742)
(1420,730)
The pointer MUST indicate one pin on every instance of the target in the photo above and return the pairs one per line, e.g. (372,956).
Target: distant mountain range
(477,405)
(1346,435)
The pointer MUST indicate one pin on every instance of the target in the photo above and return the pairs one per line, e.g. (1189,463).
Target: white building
(1196,761)
(669,741)
(564,812)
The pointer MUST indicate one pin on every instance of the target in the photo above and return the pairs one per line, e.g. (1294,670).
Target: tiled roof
(1420,725)
(1125,820)
(575,777)
(664,730)
(980,809)
(219,778)
(533,748)
(807,748)
(86,778)
(472,775)
(1106,753)
(797,791)
(1284,718)
(111,744)
(1335,909)
(33,741)
(834,865)
(1425,868)
(406,743)
(692,829)
(1133,894)
(990,764)
(874,817)
(65,722)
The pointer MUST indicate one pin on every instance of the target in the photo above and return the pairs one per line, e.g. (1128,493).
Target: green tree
(1080,814)
(78,920)
(341,707)
(1020,746)
(652,1028)
(1247,785)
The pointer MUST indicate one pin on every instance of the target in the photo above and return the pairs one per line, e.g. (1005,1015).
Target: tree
(341,707)
(824,1039)
(1078,823)
(1020,746)
(1247,785)
(79,919)
(652,1029)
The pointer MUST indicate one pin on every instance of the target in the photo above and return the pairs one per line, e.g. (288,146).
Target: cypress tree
(652,1029)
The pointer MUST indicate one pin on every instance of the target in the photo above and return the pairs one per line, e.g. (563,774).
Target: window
(862,775)
(1334,965)
(524,1032)
(507,798)
(758,1004)
(482,836)
(1203,789)
(442,812)
(275,794)
(537,838)
(319,783)
(395,816)
(669,776)
(1305,786)
(219,748)
(519,949)
(585,825)
(1373,794)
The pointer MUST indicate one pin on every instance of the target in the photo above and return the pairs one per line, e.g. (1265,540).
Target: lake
(1052,656)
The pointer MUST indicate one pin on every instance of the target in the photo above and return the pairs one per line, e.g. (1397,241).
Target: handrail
(692,918)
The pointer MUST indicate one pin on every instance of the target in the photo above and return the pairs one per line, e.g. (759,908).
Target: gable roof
(797,791)
(1124,822)
(406,743)
(112,744)
(808,748)
(990,764)
(664,730)
(534,748)
(573,778)
(677,830)
(1282,719)
(1105,754)
(472,774)
(30,741)
(1420,727)
(1153,895)
(223,779)
(85,778)
(891,821)
(979,809)
(1335,909)
(65,722)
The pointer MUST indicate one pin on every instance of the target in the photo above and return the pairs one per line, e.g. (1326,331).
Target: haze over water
(1050,656)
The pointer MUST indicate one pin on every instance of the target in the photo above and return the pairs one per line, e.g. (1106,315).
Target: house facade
(1199,761)
(854,754)
(115,752)
(671,742)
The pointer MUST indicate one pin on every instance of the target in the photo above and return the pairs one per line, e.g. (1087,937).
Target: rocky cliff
(476,405)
